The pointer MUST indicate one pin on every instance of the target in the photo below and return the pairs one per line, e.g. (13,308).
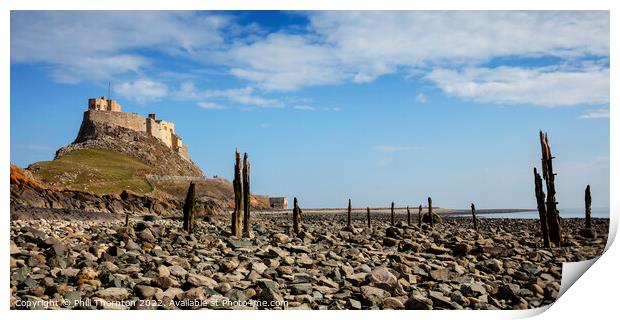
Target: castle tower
(103,104)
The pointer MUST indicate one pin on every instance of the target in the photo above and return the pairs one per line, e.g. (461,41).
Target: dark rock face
(26,196)
(162,159)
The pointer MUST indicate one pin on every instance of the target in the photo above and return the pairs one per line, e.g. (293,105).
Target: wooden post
(542,208)
(296,217)
(588,208)
(473,215)
(408,216)
(553,214)
(349,215)
(430,211)
(368,215)
(237,187)
(189,220)
(246,194)
(420,216)
(392,214)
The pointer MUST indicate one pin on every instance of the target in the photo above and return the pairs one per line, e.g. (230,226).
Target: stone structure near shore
(108,112)
(278,203)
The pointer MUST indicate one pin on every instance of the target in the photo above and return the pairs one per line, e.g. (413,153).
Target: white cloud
(286,62)
(595,114)
(335,47)
(141,90)
(97,45)
(304,108)
(421,98)
(210,105)
(391,149)
(245,96)
(549,87)
(360,46)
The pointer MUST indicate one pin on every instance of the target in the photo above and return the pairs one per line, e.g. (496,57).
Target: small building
(278,203)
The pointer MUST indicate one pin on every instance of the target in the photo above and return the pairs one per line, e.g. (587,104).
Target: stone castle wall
(121,119)
(161,130)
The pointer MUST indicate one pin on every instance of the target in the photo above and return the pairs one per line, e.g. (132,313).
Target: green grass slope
(94,170)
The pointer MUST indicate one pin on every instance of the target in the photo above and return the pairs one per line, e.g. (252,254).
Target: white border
(593,295)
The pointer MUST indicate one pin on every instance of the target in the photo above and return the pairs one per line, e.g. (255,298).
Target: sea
(564,213)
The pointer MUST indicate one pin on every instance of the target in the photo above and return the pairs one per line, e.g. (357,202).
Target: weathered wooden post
(473,215)
(588,231)
(430,211)
(420,216)
(237,187)
(349,215)
(126,219)
(553,215)
(588,208)
(408,216)
(246,194)
(368,215)
(296,217)
(189,220)
(392,214)
(542,208)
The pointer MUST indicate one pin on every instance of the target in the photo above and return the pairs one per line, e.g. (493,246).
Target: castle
(108,111)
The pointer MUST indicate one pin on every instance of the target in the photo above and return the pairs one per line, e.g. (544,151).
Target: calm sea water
(564,213)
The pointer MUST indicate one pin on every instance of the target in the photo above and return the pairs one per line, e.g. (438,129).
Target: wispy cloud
(304,108)
(78,49)
(448,48)
(421,98)
(548,87)
(391,149)
(595,114)
(245,96)
(211,105)
(142,90)
(352,46)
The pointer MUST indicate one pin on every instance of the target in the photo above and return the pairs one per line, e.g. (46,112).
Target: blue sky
(374,106)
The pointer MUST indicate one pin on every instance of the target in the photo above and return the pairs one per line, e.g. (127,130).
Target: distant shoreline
(400,210)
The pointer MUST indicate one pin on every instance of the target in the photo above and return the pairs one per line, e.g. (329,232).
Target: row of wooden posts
(550,221)
(240,219)
(349,226)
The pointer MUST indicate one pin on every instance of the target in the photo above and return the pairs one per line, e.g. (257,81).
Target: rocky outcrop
(162,159)
(27,192)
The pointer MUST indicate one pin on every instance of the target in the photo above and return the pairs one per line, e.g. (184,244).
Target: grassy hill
(94,170)
(103,171)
